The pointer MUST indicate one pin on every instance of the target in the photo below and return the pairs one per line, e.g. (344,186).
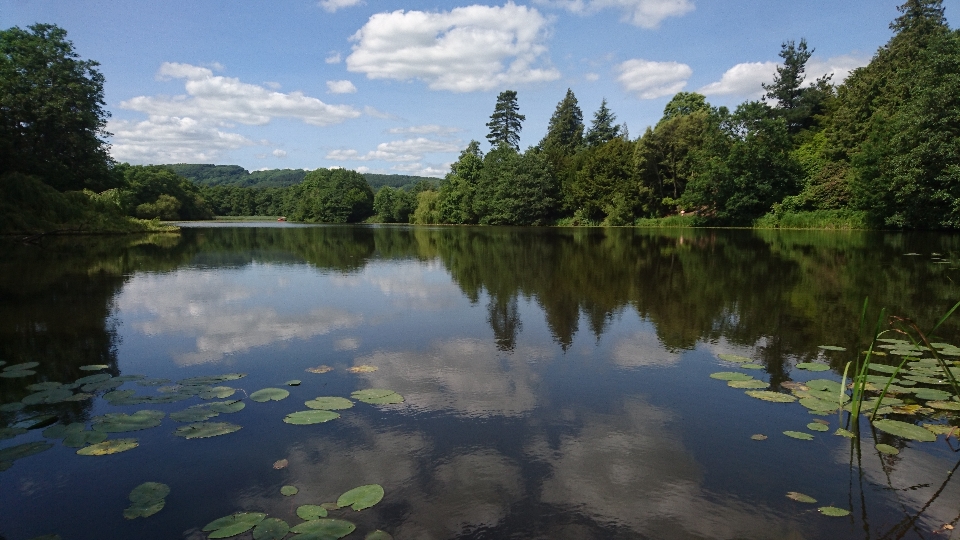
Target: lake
(555,383)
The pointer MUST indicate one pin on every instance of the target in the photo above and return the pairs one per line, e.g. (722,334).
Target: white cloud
(650,80)
(341,87)
(333,5)
(742,80)
(429,129)
(419,169)
(370,111)
(272,85)
(838,66)
(226,99)
(170,139)
(464,50)
(334,58)
(406,150)
(592,77)
(280,153)
(642,13)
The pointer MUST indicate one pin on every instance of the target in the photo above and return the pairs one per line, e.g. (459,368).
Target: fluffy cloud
(464,50)
(341,87)
(429,129)
(839,67)
(280,153)
(745,79)
(226,99)
(170,139)
(334,58)
(642,13)
(406,150)
(650,80)
(333,5)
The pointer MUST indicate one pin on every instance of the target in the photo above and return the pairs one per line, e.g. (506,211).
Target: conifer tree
(565,130)
(603,127)
(505,122)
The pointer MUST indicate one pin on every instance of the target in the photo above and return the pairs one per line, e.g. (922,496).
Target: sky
(401,87)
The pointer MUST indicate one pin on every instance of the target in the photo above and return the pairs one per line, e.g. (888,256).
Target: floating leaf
(233,525)
(882,368)
(905,430)
(124,397)
(845,433)
(80,439)
(280,464)
(303,418)
(362,369)
(331,403)
(824,385)
(213,379)
(926,380)
(105,385)
(271,529)
(752,384)
(9,433)
(833,511)
(94,367)
(46,385)
(767,395)
(815,426)
(17,374)
(152,382)
(800,497)
(799,435)
(733,358)
(887,449)
(944,405)
(294,382)
(21,367)
(90,379)
(751,366)
(288,491)
(203,430)
(13,453)
(12,407)
(106,448)
(217,392)
(269,394)
(309,512)
(321,529)
(811,366)
(361,497)
(147,499)
(759,437)
(731,376)
(941,429)
(910,409)
(196,413)
(816,404)
(120,422)
(226,406)
(377,396)
(932,394)
(319,369)
(143,510)
(832,348)
(378,535)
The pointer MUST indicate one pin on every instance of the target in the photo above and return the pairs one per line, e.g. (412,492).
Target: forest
(879,150)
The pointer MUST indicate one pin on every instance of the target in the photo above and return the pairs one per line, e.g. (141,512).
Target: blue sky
(402,87)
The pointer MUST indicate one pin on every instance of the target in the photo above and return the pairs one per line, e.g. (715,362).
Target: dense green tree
(155,191)
(606,188)
(796,103)
(52,118)
(393,205)
(332,196)
(459,187)
(516,189)
(603,128)
(506,121)
(565,130)
(683,104)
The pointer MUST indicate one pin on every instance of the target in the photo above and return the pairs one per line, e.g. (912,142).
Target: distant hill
(235,175)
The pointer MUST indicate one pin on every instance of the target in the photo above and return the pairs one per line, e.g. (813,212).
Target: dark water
(555,380)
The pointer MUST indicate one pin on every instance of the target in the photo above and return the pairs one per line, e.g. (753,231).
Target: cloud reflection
(643,349)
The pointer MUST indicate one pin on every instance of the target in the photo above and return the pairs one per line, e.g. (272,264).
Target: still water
(555,382)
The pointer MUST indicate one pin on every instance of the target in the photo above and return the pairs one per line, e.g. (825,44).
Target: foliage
(393,205)
(515,189)
(458,189)
(332,196)
(52,118)
(505,122)
(797,104)
(606,187)
(427,212)
(602,129)
(157,192)
(565,130)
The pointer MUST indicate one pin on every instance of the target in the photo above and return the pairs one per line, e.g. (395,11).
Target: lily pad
(80,439)
(941,429)
(288,491)
(731,376)
(944,405)
(13,453)
(143,510)
(319,369)
(883,368)
(800,497)
(362,369)
(233,525)
(271,529)
(932,394)
(905,430)
(811,366)
(304,418)
(17,374)
(815,426)
(12,407)
(196,413)
(377,396)
(269,394)
(212,379)
(799,435)
(104,385)
(94,367)
(46,385)
(124,397)
(21,366)
(887,449)
(378,535)
(824,385)
(9,433)
(758,437)
(754,384)
(226,406)
(293,382)
(734,358)
(751,366)
(833,511)
(331,403)
(280,464)
(767,395)
(309,512)
(844,433)
(152,382)
(361,497)
(832,348)
(60,431)
(816,404)
(217,392)
(120,422)
(322,529)
(203,430)
(146,500)
(90,379)
(114,446)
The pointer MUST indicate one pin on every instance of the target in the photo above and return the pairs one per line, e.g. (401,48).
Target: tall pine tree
(505,122)
(565,130)
(603,127)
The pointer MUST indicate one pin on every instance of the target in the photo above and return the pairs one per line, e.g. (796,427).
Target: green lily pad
(17,374)
(234,524)
(10,432)
(144,510)
(832,348)
(767,395)
(754,384)
(309,512)
(932,394)
(944,405)
(271,529)
(833,511)
(377,396)
(734,358)
(196,413)
(269,394)
(90,379)
(905,430)
(816,404)
(288,491)
(124,397)
(293,382)
(759,437)
(329,403)
(114,446)
(811,366)
(13,453)
(751,366)
(152,382)
(212,379)
(378,535)
(361,497)
(814,426)
(120,422)
(926,380)
(882,368)
(304,418)
(323,529)
(46,385)
(60,431)
(799,435)
(824,385)
(887,449)
(147,499)
(12,407)
(203,430)
(228,407)
(942,429)
(94,367)
(104,385)
(800,497)
(79,439)
(22,366)
(844,433)
(217,392)
(727,376)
